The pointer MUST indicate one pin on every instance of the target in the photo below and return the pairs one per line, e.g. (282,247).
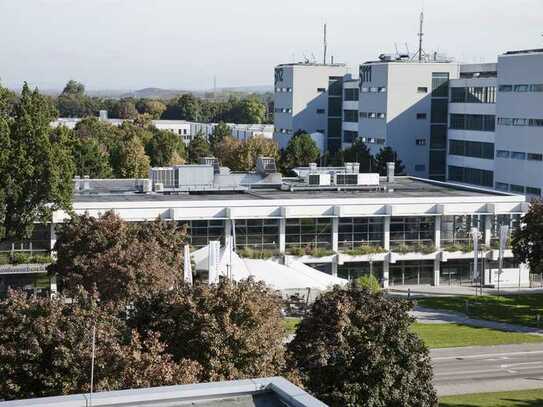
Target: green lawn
(524,398)
(455,335)
(291,324)
(521,309)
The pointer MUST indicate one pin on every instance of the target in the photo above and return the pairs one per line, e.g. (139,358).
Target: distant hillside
(154,93)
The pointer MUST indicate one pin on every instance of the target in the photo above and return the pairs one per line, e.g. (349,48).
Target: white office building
(308,97)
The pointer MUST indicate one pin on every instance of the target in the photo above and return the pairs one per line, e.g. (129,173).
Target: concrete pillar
(334,267)
(335,234)
(487,229)
(227,228)
(282,233)
(386,274)
(437,265)
(387,233)
(437,235)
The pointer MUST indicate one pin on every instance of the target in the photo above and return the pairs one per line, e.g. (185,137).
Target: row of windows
(506,121)
(518,189)
(519,155)
(473,176)
(350,116)
(283,110)
(372,115)
(372,140)
(477,122)
(538,87)
(485,94)
(474,149)
(349,136)
(351,94)
(365,73)
(379,89)
(283,90)
(284,131)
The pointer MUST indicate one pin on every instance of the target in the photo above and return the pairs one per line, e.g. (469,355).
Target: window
(440,109)
(518,155)
(457,228)
(506,121)
(421,116)
(201,232)
(500,186)
(536,88)
(351,94)
(422,89)
(320,111)
(520,122)
(473,176)
(381,90)
(364,90)
(535,122)
(438,136)
(412,230)
(420,142)
(533,191)
(350,116)
(365,73)
(349,136)
(471,149)
(353,232)
(373,90)
(312,232)
(475,122)
(505,88)
(258,234)
(502,154)
(521,88)
(381,116)
(321,90)
(535,157)
(363,115)
(517,189)
(440,84)
(335,106)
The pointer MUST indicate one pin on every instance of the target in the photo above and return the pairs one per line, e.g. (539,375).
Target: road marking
(487,355)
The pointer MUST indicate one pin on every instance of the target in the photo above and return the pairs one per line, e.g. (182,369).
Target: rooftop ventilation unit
(213,162)
(319,179)
(265,165)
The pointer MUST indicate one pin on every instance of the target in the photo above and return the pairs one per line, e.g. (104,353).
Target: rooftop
(266,392)
(525,51)
(402,187)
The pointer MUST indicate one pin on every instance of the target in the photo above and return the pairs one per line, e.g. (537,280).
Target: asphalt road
(487,369)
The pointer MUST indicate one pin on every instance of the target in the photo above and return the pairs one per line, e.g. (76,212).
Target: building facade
(308,97)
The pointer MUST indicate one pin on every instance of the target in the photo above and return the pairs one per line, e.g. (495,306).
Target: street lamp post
(476,235)
(504,233)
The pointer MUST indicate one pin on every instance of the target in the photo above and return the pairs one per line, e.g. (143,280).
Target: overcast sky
(182,44)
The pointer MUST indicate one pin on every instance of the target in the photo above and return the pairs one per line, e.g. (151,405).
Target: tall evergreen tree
(198,148)
(37,169)
(388,155)
(360,153)
(301,150)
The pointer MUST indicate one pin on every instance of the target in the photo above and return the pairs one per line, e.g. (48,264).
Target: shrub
(364,250)
(369,282)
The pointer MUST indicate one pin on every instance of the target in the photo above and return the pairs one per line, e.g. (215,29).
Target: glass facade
(201,232)
(473,176)
(497,221)
(355,232)
(309,232)
(456,272)
(412,231)
(474,149)
(411,273)
(438,135)
(456,229)
(257,234)
(352,271)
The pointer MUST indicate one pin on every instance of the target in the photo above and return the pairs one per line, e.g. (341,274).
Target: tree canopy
(301,150)
(220,131)
(388,155)
(355,348)
(165,148)
(360,153)
(198,148)
(36,165)
(527,241)
(118,260)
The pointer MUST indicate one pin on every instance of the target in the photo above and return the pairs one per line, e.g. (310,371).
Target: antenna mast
(421,34)
(325,44)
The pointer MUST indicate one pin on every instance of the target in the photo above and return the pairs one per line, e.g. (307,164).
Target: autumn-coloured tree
(251,149)
(234,331)
(119,260)
(355,348)
(226,151)
(45,349)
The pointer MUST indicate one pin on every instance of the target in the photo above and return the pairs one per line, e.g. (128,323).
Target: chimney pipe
(390,172)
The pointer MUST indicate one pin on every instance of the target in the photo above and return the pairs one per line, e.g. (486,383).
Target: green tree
(185,107)
(154,108)
(127,156)
(91,159)
(252,111)
(73,102)
(234,331)
(220,131)
(45,349)
(8,99)
(36,170)
(388,155)
(126,109)
(198,148)
(527,241)
(165,148)
(301,150)
(119,260)
(355,348)
(360,153)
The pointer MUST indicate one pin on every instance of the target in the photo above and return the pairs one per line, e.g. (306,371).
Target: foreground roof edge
(287,392)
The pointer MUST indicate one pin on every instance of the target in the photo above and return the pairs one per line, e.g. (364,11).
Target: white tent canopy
(295,275)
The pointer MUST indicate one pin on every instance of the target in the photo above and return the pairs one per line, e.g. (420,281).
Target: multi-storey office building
(403,105)
(404,230)
(519,125)
(472,123)
(309,97)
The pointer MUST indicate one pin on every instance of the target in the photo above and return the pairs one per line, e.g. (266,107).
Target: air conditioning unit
(159,187)
(319,179)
